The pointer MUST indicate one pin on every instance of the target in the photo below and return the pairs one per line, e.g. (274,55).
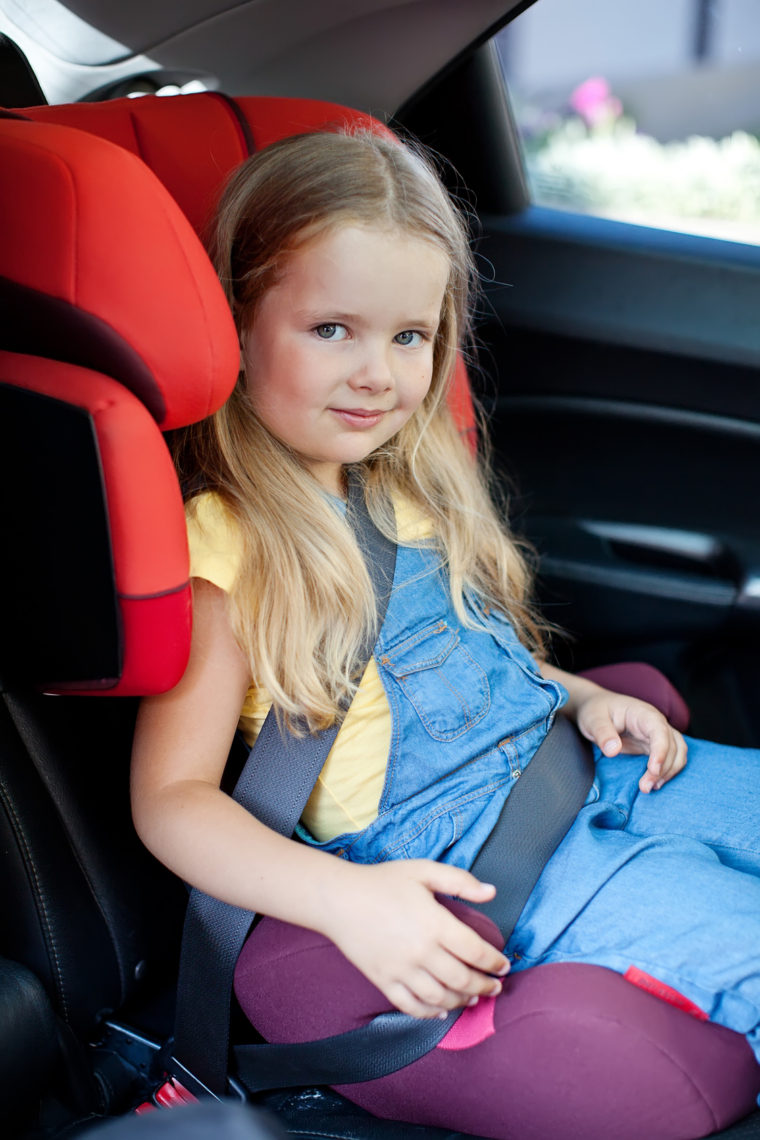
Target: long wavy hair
(302,599)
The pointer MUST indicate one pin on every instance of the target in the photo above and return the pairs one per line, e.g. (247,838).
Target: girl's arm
(384,918)
(617,723)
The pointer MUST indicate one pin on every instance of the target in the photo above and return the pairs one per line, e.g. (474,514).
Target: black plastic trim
(622,284)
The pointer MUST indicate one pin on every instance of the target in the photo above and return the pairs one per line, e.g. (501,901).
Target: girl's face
(340,351)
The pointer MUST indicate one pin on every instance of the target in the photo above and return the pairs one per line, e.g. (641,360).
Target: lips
(359,417)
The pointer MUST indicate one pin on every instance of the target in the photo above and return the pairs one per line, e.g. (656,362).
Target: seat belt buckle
(195,1089)
(171,1094)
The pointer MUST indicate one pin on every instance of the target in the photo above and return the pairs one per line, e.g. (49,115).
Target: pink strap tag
(658,989)
(474,1024)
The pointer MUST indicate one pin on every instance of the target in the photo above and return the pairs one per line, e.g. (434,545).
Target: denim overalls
(667,883)
(468,709)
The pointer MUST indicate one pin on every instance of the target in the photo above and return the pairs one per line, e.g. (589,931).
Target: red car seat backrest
(193,142)
(113,326)
(100,271)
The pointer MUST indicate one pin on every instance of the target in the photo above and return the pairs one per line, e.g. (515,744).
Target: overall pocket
(446,686)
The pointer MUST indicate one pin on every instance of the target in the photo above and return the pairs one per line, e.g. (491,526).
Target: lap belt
(535,818)
(275,784)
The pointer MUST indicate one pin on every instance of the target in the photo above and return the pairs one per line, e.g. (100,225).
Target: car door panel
(623,395)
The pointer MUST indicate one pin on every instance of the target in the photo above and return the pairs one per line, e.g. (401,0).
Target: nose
(373,371)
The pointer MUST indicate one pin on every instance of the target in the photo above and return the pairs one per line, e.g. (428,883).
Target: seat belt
(535,817)
(276,781)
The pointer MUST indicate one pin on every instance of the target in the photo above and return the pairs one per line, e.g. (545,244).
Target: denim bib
(468,711)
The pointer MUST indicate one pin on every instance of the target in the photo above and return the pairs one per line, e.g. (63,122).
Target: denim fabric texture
(468,708)
(667,882)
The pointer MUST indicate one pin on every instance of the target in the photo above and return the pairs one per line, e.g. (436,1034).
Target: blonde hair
(302,600)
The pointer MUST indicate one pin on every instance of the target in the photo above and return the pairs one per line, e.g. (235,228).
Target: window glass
(641,110)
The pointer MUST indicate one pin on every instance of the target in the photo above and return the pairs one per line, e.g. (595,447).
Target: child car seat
(114,327)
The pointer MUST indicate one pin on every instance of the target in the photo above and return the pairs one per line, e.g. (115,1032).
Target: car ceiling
(372,54)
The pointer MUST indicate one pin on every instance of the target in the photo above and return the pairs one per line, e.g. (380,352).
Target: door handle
(667,548)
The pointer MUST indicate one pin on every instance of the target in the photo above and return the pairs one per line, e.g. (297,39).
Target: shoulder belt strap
(536,816)
(274,785)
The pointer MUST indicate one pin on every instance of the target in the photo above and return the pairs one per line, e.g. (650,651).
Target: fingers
(460,966)
(665,762)
(402,997)
(445,879)
(628,725)
(408,999)
(467,947)
(597,725)
(460,939)
(424,958)
(445,983)
(624,724)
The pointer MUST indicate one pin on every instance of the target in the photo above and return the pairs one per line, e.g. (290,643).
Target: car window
(641,111)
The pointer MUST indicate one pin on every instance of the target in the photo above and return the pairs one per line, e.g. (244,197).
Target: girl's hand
(617,723)
(386,920)
(620,724)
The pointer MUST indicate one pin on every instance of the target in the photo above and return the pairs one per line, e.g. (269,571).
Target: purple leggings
(566,1050)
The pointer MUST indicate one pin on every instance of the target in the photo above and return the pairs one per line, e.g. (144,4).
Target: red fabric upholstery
(102,269)
(192,142)
(148,537)
(99,268)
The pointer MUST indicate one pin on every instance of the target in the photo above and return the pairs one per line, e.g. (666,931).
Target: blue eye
(331,332)
(408,338)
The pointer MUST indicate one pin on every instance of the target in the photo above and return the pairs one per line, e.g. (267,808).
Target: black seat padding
(28,1041)
(95,917)
(18,83)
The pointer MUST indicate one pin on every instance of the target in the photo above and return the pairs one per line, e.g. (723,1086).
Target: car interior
(616,371)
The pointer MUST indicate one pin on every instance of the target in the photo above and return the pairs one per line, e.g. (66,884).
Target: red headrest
(192,142)
(99,267)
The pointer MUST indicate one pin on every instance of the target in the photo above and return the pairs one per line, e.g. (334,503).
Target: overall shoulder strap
(275,784)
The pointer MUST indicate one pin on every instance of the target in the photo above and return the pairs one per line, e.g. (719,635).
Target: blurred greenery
(593,159)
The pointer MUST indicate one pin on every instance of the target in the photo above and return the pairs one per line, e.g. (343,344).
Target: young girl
(349,275)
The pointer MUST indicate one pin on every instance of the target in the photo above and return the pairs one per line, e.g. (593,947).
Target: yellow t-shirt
(348,790)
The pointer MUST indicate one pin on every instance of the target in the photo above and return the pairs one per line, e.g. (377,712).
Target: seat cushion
(566,1051)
